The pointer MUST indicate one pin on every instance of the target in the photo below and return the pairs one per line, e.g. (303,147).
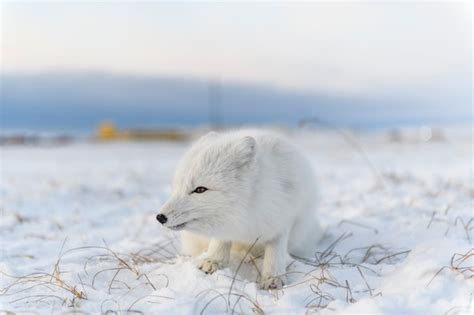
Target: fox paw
(208,266)
(271,283)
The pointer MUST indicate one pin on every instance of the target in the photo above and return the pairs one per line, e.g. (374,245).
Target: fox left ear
(244,150)
(207,137)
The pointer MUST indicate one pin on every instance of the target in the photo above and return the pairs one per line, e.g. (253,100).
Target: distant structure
(214,100)
(107,131)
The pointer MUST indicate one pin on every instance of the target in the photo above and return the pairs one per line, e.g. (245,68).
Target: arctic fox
(242,186)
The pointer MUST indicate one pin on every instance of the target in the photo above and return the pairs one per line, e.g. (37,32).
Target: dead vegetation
(119,274)
(462,264)
(466,224)
(70,292)
(48,281)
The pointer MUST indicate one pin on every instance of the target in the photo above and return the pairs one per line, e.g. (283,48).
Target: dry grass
(234,299)
(462,264)
(321,281)
(55,285)
(106,270)
(466,224)
(49,281)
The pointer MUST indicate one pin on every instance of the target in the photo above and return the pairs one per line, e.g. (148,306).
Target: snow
(78,231)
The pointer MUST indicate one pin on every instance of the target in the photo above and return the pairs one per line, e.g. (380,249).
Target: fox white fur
(259,186)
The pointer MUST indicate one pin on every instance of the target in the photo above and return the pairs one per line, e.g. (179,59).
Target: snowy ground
(78,232)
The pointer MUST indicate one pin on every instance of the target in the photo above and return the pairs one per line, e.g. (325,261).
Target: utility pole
(214,100)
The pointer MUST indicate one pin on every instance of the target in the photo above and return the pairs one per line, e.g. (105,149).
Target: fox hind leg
(304,237)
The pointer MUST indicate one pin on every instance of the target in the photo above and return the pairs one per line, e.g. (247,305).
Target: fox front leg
(274,264)
(216,257)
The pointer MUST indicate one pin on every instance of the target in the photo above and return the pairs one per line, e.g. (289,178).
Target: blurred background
(150,69)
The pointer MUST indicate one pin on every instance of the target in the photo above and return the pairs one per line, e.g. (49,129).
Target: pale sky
(340,47)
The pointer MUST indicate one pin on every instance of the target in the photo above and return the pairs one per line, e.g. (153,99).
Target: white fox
(242,186)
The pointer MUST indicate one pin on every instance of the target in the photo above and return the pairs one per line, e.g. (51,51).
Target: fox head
(211,185)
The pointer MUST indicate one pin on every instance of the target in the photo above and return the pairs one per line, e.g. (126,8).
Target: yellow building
(107,131)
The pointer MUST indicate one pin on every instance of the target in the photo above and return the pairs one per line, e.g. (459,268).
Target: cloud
(80,100)
(347,48)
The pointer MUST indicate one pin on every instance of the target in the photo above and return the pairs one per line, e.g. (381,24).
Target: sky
(408,59)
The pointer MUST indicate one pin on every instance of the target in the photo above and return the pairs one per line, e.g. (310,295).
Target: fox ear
(244,150)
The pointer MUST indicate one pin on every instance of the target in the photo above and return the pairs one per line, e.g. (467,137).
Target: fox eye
(199,190)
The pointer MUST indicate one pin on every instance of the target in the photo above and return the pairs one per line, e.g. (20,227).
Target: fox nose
(161,218)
